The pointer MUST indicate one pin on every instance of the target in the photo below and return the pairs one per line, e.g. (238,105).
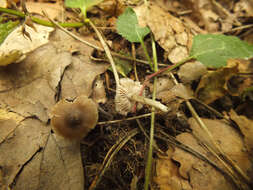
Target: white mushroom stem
(150,102)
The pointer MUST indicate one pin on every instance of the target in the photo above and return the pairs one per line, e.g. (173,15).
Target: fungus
(74,120)
(127,88)
(127,94)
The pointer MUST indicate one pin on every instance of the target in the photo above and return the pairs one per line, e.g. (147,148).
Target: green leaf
(6,29)
(127,26)
(213,50)
(82,4)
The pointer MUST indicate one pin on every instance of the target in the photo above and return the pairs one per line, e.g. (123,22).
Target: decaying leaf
(201,174)
(191,71)
(30,89)
(246,127)
(13,56)
(213,85)
(170,33)
(167,175)
(182,91)
(30,86)
(16,41)
(53,10)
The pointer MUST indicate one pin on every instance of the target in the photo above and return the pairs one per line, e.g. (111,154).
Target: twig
(107,51)
(121,120)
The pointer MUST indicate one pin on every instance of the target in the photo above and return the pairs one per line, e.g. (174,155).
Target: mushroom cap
(74,120)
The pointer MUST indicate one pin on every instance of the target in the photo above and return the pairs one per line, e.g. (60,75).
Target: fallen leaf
(15,153)
(213,85)
(182,91)
(16,41)
(246,127)
(237,84)
(169,32)
(78,78)
(191,71)
(202,175)
(167,176)
(29,88)
(53,10)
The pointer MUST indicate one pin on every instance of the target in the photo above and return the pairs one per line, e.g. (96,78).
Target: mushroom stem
(150,102)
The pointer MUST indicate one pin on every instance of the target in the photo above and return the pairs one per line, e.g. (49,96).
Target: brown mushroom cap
(74,120)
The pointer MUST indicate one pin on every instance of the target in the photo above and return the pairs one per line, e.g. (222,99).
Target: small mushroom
(126,89)
(74,120)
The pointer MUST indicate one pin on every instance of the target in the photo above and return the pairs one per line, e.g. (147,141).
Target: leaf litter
(62,70)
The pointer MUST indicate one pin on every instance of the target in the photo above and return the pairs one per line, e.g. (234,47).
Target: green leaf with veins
(128,27)
(213,50)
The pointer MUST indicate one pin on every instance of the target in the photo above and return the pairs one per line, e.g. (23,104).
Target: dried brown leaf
(202,175)
(170,32)
(246,127)
(213,85)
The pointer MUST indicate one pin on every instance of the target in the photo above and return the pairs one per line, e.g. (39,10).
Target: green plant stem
(146,54)
(148,169)
(40,21)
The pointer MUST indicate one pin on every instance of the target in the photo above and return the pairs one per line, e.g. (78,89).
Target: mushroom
(74,120)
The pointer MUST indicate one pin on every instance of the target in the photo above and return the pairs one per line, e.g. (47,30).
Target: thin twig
(107,51)
(121,120)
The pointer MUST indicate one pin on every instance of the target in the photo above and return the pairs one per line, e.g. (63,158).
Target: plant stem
(146,54)
(40,21)
(145,51)
(151,142)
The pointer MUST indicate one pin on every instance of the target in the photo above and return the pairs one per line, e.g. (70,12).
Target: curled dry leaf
(127,88)
(74,120)
(213,85)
